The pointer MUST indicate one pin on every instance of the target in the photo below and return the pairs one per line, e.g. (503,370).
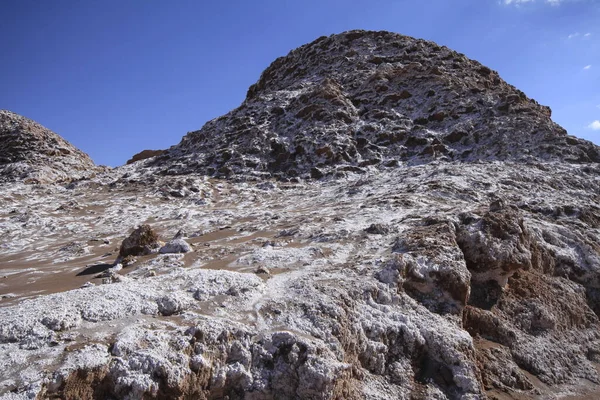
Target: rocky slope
(448,269)
(144,154)
(30,152)
(361,98)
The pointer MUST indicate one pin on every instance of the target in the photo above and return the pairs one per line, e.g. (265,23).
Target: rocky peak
(33,153)
(360,99)
(474,276)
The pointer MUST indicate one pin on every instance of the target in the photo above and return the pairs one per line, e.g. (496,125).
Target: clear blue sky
(117,77)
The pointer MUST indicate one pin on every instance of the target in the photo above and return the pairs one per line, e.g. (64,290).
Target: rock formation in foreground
(444,247)
(30,152)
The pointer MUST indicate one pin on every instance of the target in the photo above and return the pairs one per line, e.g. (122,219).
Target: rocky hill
(30,152)
(362,98)
(445,245)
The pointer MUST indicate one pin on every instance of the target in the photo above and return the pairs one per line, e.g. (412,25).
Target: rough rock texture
(360,98)
(142,241)
(436,301)
(144,154)
(423,276)
(29,152)
(176,246)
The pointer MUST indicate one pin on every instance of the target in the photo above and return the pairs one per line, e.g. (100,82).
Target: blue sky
(117,77)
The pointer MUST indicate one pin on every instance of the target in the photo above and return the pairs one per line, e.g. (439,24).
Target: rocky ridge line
(29,152)
(361,98)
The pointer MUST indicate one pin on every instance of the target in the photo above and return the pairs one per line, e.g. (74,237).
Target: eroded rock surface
(358,99)
(144,154)
(29,152)
(436,305)
(432,274)
(176,246)
(142,241)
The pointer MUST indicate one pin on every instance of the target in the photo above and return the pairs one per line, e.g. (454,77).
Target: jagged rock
(33,154)
(170,304)
(111,273)
(181,234)
(432,267)
(176,246)
(361,98)
(496,245)
(142,241)
(486,284)
(112,277)
(378,229)
(145,154)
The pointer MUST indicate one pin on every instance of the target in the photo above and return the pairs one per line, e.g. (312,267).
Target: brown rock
(144,154)
(496,245)
(142,241)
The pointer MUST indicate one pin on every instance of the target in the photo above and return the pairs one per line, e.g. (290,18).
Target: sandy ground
(54,239)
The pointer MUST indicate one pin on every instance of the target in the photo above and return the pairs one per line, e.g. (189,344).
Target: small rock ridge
(359,99)
(32,153)
(143,155)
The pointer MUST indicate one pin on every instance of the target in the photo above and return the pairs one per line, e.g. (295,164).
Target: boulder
(142,241)
(176,246)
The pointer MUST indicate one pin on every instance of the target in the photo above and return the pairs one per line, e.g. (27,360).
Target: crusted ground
(381,218)
(446,280)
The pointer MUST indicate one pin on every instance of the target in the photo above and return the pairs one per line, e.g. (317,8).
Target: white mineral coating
(358,313)
(175,246)
(34,154)
(464,264)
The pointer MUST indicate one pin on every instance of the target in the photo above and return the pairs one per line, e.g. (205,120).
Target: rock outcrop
(175,246)
(359,99)
(450,252)
(142,241)
(144,154)
(31,153)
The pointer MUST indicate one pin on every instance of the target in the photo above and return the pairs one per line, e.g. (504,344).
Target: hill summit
(30,152)
(362,98)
